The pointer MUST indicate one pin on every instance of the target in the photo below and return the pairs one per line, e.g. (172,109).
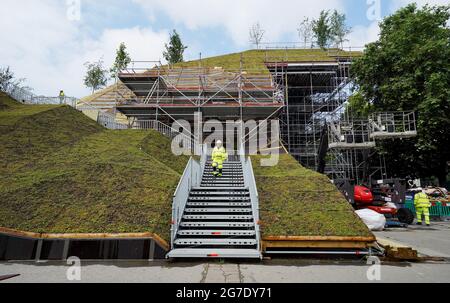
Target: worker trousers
(217,165)
(423,211)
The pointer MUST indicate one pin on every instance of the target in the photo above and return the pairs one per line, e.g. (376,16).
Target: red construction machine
(383,199)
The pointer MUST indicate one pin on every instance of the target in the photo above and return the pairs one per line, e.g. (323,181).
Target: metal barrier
(109,121)
(250,182)
(438,209)
(393,125)
(180,199)
(192,177)
(26,96)
(350,135)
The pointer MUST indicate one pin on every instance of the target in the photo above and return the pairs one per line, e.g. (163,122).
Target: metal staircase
(220,216)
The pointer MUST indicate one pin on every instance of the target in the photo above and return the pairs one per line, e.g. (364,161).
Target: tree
(322,30)
(338,27)
(122,60)
(96,75)
(8,80)
(305,32)
(408,69)
(175,49)
(256,34)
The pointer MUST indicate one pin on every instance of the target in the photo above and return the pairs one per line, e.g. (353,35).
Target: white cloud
(362,35)
(236,16)
(396,4)
(42,45)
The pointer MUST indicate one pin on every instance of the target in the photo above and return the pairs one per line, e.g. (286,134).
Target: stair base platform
(214,253)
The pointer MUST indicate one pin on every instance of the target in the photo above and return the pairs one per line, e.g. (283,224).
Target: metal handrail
(191,178)
(250,183)
(26,96)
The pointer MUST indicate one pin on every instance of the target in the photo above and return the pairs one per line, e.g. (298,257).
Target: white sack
(373,220)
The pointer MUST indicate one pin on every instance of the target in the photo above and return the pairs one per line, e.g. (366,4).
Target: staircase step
(200,242)
(218,204)
(217,217)
(221,185)
(218,224)
(218,210)
(216,181)
(225,253)
(219,193)
(219,189)
(218,198)
(217,233)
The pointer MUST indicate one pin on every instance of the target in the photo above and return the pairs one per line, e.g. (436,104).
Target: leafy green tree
(322,29)
(408,69)
(338,27)
(96,75)
(358,107)
(175,49)
(122,60)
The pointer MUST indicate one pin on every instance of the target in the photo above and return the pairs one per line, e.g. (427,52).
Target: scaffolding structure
(163,87)
(352,144)
(169,94)
(315,93)
(305,91)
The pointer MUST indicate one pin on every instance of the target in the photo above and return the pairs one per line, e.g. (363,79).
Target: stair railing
(250,183)
(192,177)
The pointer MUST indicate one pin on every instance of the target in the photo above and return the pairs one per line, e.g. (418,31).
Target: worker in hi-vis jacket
(423,205)
(219,155)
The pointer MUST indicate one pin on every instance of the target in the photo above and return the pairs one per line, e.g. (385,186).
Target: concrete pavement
(434,242)
(282,271)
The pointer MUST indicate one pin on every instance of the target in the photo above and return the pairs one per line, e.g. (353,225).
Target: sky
(48,42)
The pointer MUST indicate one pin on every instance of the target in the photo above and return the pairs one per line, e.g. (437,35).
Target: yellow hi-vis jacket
(219,155)
(421,200)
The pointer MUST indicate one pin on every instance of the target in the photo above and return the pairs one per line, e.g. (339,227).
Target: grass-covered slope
(62,173)
(296,201)
(254,60)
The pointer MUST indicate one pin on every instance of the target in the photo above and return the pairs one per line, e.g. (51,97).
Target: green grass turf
(60,172)
(254,60)
(295,201)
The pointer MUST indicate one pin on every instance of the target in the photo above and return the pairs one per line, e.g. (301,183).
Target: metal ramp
(220,216)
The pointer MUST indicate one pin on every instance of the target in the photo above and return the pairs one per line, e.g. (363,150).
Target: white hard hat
(419,189)
(219,142)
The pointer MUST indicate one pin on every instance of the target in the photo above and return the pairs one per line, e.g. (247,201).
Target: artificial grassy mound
(254,60)
(60,172)
(295,201)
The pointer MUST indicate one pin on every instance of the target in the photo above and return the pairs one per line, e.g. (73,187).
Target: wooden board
(318,242)
(32,235)
(398,251)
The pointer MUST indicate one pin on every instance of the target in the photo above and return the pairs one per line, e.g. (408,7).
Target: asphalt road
(434,241)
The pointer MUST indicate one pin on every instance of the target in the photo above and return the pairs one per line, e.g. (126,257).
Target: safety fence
(25,95)
(439,209)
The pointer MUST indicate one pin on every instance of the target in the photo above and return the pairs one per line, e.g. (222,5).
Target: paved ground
(434,241)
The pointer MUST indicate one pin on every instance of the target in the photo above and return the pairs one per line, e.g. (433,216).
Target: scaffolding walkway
(351,143)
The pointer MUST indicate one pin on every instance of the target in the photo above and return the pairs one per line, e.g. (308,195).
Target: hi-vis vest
(421,200)
(219,154)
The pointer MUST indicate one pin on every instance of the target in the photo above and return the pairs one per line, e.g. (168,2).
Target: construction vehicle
(386,197)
